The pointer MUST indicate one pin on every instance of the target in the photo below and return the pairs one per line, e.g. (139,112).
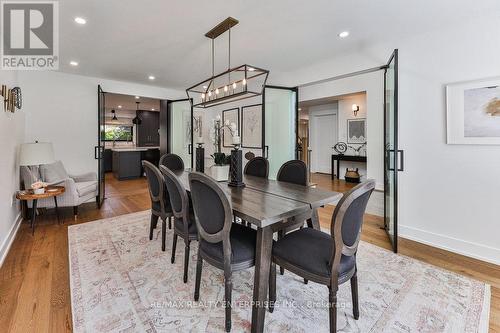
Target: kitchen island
(127,161)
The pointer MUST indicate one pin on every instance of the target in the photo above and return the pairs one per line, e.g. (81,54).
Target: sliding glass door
(99,149)
(392,154)
(280,126)
(180,115)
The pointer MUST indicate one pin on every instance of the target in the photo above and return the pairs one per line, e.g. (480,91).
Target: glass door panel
(280,126)
(391,149)
(180,129)
(99,149)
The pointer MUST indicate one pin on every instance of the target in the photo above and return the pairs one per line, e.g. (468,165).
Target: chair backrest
(156,184)
(179,199)
(172,161)
(294,171)
(347,220)
(257,166)
(212,210)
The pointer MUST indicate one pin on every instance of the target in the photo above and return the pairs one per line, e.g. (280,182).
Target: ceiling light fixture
(151,77)
(73,63)
(231,85)
(355,109)
(137,97)
(152,109)
(114,115)
(137,120)
(80,20)
(119,106)
(344,34)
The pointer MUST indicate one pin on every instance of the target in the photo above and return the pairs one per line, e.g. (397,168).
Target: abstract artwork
(473,110)
(231,116)
(251,126)
(356,130)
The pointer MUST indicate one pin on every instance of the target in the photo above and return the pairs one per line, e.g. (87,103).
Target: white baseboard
(4,249)
(460,246)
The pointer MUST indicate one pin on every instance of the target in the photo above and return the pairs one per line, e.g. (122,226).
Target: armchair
(79,188)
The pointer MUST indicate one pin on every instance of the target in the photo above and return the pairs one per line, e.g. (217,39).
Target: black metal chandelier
(234,84)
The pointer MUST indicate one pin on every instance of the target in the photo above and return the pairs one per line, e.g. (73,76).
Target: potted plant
(221,160)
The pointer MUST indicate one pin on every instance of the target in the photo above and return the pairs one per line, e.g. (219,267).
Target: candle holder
(200,158)
(236,168)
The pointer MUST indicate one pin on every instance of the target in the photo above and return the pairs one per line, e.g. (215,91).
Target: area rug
(122,281)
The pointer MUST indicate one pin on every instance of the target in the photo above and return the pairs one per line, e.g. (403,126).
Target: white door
(325,137)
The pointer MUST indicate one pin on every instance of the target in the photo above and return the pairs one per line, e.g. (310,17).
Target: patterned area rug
(122,281)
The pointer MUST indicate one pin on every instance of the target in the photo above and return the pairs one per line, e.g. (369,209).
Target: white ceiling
(129,39)
(128,103)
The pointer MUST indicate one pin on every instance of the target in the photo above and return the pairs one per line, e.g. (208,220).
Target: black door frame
(169,122)
(99,149)
(396,152)
(265,148)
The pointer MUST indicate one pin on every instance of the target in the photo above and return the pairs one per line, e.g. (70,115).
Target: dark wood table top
(50,191)
(265,202)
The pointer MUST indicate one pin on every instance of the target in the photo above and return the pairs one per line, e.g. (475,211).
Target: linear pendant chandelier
(234,84)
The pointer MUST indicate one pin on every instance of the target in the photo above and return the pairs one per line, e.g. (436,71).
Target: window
(118,133)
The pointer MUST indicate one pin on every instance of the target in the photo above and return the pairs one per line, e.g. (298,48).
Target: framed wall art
(233,116)
(251,126)
(356,130)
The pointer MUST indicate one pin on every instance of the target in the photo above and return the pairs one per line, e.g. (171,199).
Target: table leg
(313,221)
(33,216)
(261,279)
(338,169)
(57,210)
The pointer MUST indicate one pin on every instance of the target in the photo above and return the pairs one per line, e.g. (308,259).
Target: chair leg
(163,234)
(186,261)
(354,293)
(228,284)
(272,287)
(170,223)
(306,281)
(154,222)
(75,212)
(332,298)
(199,267)
(174,245)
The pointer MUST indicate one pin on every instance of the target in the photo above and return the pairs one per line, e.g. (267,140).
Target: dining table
(269,205)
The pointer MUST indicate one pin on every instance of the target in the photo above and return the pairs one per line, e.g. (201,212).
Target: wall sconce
(355,109)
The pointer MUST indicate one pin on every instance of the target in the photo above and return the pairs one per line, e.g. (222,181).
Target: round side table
(50,191)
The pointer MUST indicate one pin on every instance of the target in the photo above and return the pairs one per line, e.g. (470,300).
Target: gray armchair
(79,188)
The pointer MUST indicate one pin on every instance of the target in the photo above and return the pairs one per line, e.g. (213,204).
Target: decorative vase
(220,172)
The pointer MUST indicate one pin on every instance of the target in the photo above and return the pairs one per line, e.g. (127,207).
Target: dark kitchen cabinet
(148,130)
(108,160)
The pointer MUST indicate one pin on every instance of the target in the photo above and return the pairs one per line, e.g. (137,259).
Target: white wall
(62,109)
(448,194)
(372,84)
(11,136)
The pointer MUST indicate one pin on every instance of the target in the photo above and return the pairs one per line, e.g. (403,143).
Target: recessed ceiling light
(300,109)
(80,20)
(151,77)
(152,109)
(137,97)
(344,34)
(73,63)
(119,106)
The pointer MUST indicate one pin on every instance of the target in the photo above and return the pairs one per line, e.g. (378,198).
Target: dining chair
(225,245)
(257,166)
(172,161)
(295,172)
(323,258)
(160,201)
(184,223)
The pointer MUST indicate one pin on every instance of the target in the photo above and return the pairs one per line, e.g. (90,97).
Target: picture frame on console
(251,126)
(473,112)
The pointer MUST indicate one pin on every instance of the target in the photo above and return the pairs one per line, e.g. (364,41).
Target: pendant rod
(213,58)
(229,58)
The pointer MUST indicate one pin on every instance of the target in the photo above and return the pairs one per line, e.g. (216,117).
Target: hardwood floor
(34,279)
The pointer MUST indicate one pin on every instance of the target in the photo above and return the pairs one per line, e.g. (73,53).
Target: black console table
(350,158)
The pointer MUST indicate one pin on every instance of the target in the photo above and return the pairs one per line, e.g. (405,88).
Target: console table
(350,158)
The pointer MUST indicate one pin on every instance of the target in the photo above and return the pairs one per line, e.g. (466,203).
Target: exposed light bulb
(217,91)
(251,69)
(244,81)
(210,93)
(202,96)
(234,85)
(225,88)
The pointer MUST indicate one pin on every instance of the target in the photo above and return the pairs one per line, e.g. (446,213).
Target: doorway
(323,137)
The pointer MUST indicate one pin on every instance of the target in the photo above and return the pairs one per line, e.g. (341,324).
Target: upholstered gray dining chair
(160,201)
(184,222)
(172,161)
(323,258)
(225,245)
(257,166)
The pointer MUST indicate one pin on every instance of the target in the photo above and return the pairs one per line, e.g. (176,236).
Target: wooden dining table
(270,205)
